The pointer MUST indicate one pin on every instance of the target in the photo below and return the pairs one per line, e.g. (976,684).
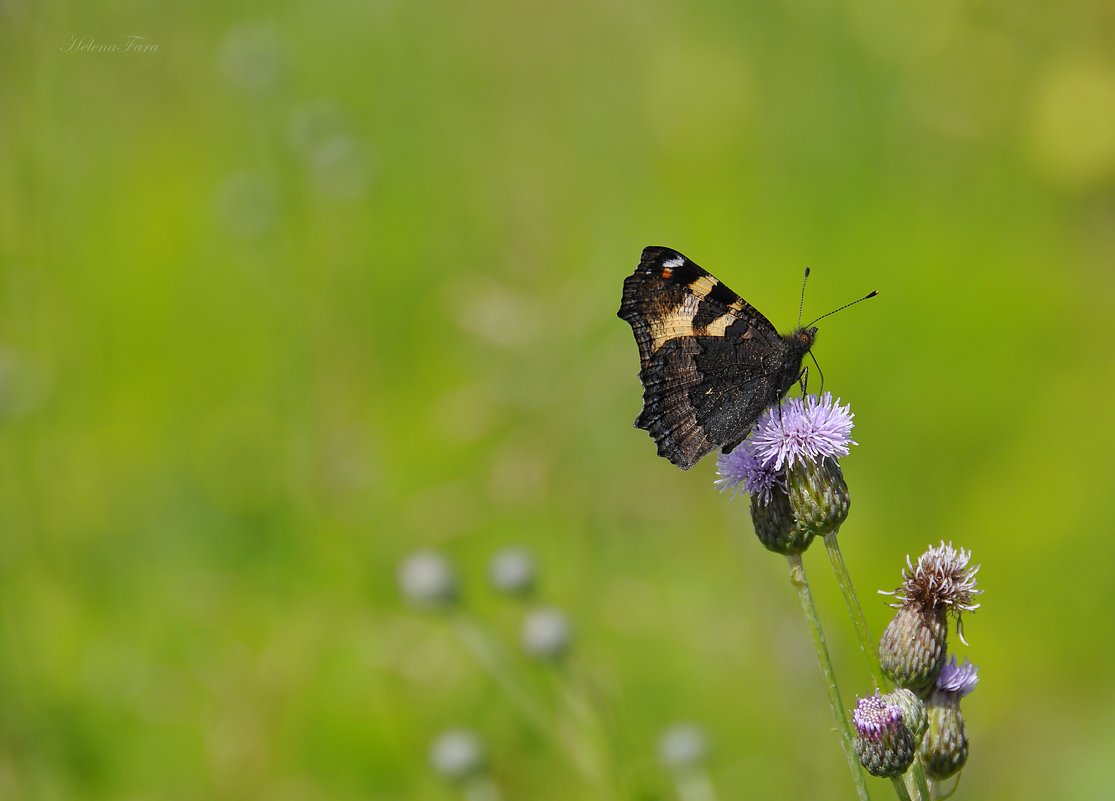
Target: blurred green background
(307,287)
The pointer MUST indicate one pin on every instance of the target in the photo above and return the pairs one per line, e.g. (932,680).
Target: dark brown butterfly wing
(710,362)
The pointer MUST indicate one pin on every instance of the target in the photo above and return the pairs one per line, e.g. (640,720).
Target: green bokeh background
(310,286)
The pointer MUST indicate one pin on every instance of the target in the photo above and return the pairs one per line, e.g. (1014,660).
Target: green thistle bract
(775,525)
(944,751)
(818,495)
(884,746)
(913,647)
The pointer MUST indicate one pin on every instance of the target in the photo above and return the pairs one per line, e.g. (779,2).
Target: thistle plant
(944,751)
(789,465)
(884,743)
(513,571)
(428,580)
(683,749)
(458,757)
(913,647)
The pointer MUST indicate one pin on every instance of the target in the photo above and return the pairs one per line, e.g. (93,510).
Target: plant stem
(588,739)
(480,788)
(797,578)
(492,659)
(900,788)
(694,785)
(866,641)
(916,776)
(918,773)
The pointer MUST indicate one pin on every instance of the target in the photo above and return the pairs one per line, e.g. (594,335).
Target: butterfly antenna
(801,304)
(870,294)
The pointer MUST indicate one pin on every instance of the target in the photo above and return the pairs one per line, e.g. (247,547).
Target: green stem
(491,658)
(900,788)
(918,772)
(847,741)
(694,785)
(589,738)
(866,641)
(915,776)
(480,788)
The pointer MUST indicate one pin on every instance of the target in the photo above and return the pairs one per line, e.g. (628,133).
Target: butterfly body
(710,363)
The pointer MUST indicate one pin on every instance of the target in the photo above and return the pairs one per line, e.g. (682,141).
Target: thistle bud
(944,751)
(818,495)
(775,525)
(789,466)
(913,711)
(913,647)
(884,746)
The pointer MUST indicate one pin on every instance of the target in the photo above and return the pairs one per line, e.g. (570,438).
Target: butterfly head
(805,337)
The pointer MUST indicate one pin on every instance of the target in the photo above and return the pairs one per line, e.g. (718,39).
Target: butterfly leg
(803,380)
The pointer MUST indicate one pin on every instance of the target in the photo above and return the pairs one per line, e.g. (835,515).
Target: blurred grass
(313,286)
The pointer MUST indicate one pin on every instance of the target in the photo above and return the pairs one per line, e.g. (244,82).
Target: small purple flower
(803,430)
(958,680)
(741,471)
(874,717)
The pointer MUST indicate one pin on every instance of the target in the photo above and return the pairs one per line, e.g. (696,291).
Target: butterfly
(710,362)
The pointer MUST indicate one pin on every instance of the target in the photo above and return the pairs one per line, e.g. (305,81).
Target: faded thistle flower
(428,579)
(513,571)
(944,751)
(913,647)
(457,755)
(683,746)
(789,467)
(547,634)
(884,744)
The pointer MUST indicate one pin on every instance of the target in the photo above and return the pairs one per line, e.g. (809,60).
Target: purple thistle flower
(874,717)
(958,680)
(803,430)
(742,471)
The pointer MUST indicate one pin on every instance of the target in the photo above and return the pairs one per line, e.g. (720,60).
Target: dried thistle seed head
(776,526)
(818,495)
(884,745)
(913,647)
(942,578)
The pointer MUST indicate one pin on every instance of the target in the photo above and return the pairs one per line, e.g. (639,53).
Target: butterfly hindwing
(710,362)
